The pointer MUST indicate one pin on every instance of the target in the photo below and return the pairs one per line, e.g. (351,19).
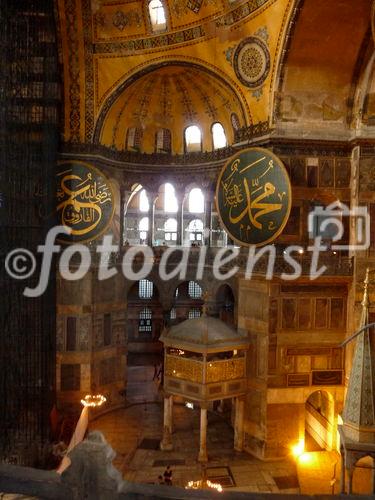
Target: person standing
(168,476)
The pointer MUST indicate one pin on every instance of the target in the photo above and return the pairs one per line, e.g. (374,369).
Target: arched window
(163,141)
(194,313)
(144,205)
(193,139)
(134,138)
(143,229)
(218,136)
(173,313)
(157,15)
(194,290)
(170,230)
(145,289)
(235,122)
(170,200)
(195,229)
(145,321)
(196,201)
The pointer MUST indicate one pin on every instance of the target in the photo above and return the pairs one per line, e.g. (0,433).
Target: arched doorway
(187,303)
(144,324)
(319,421)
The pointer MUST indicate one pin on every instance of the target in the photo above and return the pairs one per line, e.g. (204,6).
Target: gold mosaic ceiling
(172,97)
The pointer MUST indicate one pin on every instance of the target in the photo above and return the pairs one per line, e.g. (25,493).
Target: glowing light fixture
(204,484)
(93,401)
(299,448)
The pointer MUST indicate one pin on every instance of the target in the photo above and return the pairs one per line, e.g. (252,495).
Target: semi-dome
(151,111)
(204,334)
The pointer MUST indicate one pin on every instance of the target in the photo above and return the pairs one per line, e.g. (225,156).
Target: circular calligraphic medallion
(253,197)
(85,201)
(252,62)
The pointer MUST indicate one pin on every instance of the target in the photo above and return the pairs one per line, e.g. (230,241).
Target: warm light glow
(305,457)
(339,420)
(93,401)
(201,484)
(299,448)
(189,405)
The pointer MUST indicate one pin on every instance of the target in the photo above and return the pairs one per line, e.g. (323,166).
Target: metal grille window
(145,321)
(145,289)
(170,230)
(194,313)
(195,291)
(163,141)
(235,121)
(134,138)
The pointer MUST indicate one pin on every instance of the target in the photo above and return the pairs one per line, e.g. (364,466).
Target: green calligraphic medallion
(85,201)
(253,197)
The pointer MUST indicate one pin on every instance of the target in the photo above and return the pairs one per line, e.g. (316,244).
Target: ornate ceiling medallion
(252,62)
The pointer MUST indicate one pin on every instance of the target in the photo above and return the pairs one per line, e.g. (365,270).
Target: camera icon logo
(328,224)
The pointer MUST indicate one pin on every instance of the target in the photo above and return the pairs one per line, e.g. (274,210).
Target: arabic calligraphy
(84,200)
(253,197)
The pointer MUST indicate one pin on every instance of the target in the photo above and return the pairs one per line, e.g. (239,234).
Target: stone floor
(135,433)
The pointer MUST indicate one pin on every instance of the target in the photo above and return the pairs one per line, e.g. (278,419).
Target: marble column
(220,408)
(125,195)
(180,195)
(202,457)
(152,197)
(208,219)
(349,475)
(239,424)
(342,472)
(166,443)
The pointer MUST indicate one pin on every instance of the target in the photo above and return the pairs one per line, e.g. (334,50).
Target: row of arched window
(170,221)
(195,200)
(192,137)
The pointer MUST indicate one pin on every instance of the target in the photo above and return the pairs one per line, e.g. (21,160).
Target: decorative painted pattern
(89,69)
(74,82)
(182,36)
(252,62)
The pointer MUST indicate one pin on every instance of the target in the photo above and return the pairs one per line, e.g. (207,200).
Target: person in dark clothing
(168,476)
(161,480)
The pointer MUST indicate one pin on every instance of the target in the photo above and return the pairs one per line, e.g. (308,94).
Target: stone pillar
(208,219)
(202,457)
(220,408)
(180,195)
(171,415)
(349,488)
(125,195)
(166,443)
(239,424)
(342,472)
(122,217)
(151,218)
